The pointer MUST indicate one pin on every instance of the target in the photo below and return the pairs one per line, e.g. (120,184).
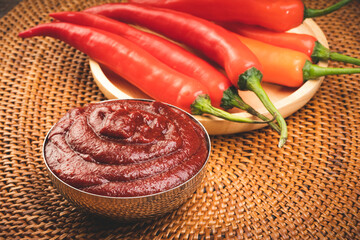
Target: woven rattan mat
(310,189)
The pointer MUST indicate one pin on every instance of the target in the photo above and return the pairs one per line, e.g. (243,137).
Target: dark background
(7,5)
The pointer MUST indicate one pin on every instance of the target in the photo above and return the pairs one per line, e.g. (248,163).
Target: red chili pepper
(279,15)
(300,42)
(220,88)
(220,45)
(136,65)
(288,67)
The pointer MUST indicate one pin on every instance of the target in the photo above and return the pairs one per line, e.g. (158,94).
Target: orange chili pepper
(288,67)
(300,42)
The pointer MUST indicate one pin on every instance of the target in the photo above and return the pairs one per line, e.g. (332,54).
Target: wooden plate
(286,100)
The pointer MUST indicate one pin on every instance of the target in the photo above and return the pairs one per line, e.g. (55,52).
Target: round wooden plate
(286,100)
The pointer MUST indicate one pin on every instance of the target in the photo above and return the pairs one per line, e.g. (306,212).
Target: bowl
(133,207)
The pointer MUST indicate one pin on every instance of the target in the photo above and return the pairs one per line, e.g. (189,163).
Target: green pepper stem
(343,58)
(251,80)
(322,53)
(232,99)
(313,71)
(310,13)
(202,104)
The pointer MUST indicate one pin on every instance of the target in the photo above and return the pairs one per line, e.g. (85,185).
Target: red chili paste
(126,148)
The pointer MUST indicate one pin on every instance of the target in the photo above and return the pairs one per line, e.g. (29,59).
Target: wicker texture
(252,190)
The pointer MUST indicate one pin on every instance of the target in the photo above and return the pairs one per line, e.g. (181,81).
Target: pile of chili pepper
(170,73)
(141,69)
(240,64)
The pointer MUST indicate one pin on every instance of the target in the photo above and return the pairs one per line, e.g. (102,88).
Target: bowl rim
(207,137)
